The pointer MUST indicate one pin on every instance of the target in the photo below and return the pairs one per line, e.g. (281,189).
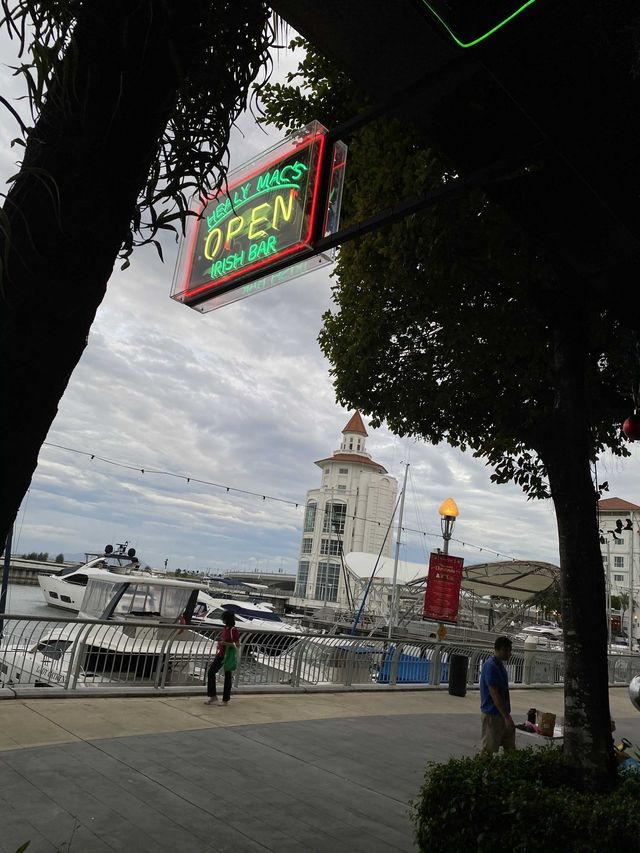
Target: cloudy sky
(240,397)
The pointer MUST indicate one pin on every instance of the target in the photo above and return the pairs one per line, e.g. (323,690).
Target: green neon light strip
(480,38)
(253,197)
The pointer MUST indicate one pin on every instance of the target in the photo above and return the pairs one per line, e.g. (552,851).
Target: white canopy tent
(520,580)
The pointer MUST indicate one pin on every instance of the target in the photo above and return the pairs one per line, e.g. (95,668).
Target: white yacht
(66,589)
(147,645)
(552,632)
(548,636)
(250,615)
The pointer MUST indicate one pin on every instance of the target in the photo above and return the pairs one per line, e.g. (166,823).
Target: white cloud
(240,397)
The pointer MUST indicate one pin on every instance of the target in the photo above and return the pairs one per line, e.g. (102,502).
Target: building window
(358,444)
(301,580)
(334,517)
(343,471)
(350,444)
(333,547)
(618,578)
(307,542)
(342,488)
(327,581)
(605,559)
(618,562)
(310,517)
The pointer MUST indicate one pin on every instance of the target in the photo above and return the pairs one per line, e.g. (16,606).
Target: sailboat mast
(393,615)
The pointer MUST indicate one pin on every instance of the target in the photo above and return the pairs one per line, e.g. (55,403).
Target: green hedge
(522,802)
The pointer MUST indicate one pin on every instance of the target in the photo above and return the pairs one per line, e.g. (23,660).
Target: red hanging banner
(442,597)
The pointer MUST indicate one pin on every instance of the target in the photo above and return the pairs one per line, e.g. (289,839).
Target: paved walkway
(322,772)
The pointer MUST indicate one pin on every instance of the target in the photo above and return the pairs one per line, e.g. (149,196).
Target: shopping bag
(230,659)
(546,723)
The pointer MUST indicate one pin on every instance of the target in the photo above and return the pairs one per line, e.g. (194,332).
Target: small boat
(250,615)
(548,637)
(325,660)
(148,644)
(550,632)
(66,589)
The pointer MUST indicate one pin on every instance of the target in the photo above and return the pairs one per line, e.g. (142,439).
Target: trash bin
(458,668)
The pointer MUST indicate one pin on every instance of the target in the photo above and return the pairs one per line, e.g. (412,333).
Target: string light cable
(262,495)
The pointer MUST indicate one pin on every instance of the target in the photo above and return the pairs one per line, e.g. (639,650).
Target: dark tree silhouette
(132,104)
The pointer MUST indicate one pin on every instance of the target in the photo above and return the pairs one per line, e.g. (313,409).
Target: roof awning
(517,579)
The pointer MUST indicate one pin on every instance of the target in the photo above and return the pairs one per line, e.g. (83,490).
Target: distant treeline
(42,557)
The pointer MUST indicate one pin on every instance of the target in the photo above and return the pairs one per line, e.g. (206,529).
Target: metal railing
(76,654)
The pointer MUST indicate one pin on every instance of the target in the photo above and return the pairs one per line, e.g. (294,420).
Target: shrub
(520,802)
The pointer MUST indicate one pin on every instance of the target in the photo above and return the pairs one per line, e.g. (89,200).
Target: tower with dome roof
(349,511)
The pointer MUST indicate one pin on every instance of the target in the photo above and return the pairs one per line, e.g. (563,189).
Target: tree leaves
(192,155)
(444,323)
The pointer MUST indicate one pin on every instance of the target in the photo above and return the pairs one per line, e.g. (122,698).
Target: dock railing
(71,654)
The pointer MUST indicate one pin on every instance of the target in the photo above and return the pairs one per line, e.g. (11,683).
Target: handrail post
(297,664)
(434,674)
(80,651)
(163,671)
(471,674)
(349,664)
(395,660)
(530,649)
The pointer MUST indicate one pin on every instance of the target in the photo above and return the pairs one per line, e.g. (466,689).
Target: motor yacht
(141,638)
(66,589)
(251,616)
(548,636)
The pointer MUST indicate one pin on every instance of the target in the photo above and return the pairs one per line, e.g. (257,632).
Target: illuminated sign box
(248,236)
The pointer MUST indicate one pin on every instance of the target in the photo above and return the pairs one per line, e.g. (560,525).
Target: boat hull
(57,593)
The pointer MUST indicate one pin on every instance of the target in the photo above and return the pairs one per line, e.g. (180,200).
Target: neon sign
(268,214)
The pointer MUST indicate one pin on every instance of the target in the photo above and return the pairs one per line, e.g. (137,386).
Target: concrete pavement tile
(128,783)
(38,843)
(121,837)
(16,830)
(367,841)
(263,833)
(231,841)
(90,719)
(66,832)
(21,726)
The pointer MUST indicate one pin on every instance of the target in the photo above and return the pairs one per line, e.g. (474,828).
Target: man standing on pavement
(498,729)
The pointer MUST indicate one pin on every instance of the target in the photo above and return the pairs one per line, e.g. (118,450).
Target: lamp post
(448,514)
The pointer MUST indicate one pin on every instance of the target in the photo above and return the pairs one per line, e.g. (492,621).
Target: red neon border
(188,294)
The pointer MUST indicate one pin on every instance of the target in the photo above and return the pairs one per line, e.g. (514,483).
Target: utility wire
(297,504)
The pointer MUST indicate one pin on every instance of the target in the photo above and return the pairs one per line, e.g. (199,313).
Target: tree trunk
(71,206)
(587,738)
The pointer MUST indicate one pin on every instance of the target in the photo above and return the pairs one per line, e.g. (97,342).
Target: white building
(620,547)
(350,511)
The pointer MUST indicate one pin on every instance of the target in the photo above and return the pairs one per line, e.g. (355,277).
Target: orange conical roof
(356,424)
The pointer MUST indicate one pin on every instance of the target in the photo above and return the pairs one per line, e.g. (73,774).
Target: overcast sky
(240,397)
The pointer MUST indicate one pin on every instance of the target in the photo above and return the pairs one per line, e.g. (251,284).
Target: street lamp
(448,514)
